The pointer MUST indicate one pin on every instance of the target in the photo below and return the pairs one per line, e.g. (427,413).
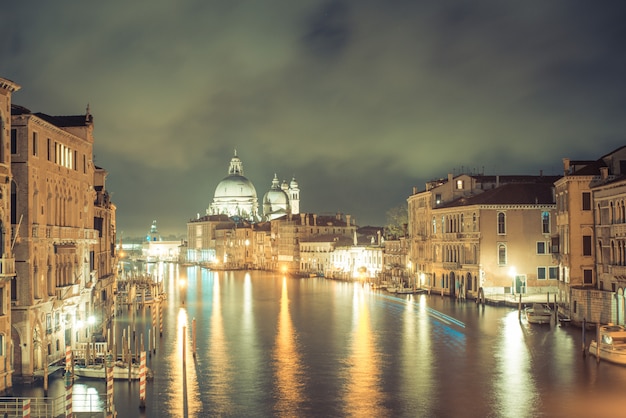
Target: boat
(538,314)
(612,344)
(120,371)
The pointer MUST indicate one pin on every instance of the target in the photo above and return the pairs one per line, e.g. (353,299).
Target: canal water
(268,345)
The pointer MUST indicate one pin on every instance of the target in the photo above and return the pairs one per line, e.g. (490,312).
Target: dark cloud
(359,100)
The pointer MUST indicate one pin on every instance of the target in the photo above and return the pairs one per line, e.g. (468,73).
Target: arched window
(501,223)
(545,222)
(501,254)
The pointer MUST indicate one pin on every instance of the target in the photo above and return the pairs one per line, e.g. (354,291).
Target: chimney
(348,220)
(566,166)
(604,173)
(450,177)
(315,219)
(414,190)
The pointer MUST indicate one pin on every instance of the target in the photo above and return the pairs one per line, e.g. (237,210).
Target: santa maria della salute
(236,197)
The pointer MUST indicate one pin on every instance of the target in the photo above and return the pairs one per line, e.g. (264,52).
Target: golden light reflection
(219,358)
(363,393)
(289,374)
(183,391)
(417,351)
(513,363)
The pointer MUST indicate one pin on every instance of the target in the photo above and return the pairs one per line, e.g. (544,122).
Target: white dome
(275,201)
(235,186)
(235,195)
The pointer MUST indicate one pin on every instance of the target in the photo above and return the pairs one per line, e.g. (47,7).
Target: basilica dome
(275,201)
(235,195)
(235,186)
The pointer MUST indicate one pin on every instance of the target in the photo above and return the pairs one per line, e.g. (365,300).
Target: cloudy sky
(360,100)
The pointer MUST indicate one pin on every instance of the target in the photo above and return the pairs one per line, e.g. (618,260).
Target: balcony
(66,292)
(617,271)
(7,268)
(451,265)
(64,233)
(618,230)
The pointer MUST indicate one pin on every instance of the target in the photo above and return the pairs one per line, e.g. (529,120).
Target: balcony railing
(67,292)
(617,270)
(7,267)
(64,233)
(618,230)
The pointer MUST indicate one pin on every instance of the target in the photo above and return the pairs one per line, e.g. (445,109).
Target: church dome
(235,185)
(235,195)
(275,201)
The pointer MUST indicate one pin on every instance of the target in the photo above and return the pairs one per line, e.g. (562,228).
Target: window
(587,276)
(586,201)
(541,273)
(49,149)
(501,223)
(586,245)
(501,254)
(35,144)
(541,247)
(545,222)
(553,273)
(438,199)
(13,141)
(2,347)
(459,184)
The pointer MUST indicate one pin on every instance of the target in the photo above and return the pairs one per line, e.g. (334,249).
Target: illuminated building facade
(7,260)
(472,234)
(65,238)
(588,245)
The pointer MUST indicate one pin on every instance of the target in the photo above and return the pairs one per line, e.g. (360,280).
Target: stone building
(448,222)
(497,242)
(64,239)
(588,244)
(7,238)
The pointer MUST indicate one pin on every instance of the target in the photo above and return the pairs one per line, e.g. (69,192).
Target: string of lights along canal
(264,344)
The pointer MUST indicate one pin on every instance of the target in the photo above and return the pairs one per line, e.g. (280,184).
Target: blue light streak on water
(446,319)
(444,326)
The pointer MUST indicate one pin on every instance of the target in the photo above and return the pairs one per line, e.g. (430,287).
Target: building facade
(58,245)
(7,239)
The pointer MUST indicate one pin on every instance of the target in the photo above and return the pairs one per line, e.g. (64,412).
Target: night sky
(359,100)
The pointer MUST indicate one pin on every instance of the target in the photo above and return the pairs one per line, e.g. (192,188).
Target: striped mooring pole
(26,408)
(68,395)
(142,381)
(68,359)
(109,379)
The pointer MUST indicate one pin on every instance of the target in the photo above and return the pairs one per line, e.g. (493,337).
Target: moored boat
(612,347)
(120,371)
(538,314)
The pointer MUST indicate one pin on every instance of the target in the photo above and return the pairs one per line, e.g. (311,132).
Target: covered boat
(538,314)
(120,371)
(612,345)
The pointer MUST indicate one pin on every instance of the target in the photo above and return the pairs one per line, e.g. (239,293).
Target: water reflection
(363,395)
(287,362)
(417,353)
(515,390)
(218,357)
